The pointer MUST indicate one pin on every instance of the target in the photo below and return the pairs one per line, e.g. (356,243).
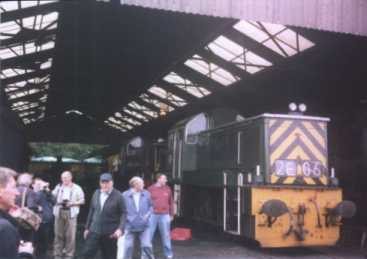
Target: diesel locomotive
(266,178)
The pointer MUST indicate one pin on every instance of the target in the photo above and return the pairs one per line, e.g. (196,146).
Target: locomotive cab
(265,178)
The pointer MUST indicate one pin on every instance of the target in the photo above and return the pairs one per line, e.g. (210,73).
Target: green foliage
(73,150)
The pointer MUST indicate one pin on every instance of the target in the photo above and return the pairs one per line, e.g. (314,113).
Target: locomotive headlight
(302,107)
(292,107)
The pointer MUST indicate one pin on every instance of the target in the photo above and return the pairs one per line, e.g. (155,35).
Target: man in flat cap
(105,222)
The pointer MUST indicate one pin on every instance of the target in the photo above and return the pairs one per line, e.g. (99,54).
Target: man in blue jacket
(139,208)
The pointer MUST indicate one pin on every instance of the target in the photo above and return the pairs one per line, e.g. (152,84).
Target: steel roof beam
(198,78)
(27,36)
(169,87)
(253,45)
(132,117)
(29,11)
(26,76)
(139,111)
(162,100)
(34,97)
(28,87)
(230,67)
(38,108)
(148,105)
(119,125)
(27,59)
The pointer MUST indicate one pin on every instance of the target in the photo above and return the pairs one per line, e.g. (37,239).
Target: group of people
(114,219)
(33,194)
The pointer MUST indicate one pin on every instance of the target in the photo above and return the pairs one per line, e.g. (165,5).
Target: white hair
(25,179)
(134,180)
(5,175)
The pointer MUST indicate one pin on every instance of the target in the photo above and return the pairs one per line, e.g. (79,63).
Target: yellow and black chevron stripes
(300,141)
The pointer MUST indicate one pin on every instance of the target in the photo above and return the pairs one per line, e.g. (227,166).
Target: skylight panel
(117,124)
(146,98)
(225,48)
(135,114)
(236,54)
(13,5)
(143,109)
(48,45)
(114,120)
(27,120)
(127,119)
(211,70)
(23,93)
(24,114)
(17,104)
(276,37)
(7,53)
(174,99)
(24,105)
(10,72)
(28,47)
(186,85)
(8,27)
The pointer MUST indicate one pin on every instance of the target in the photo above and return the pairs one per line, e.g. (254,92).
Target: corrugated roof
(330,15)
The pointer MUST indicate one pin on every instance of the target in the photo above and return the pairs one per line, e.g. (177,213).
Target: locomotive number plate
(285,168)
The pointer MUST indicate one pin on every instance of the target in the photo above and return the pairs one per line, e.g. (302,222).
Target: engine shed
(106,71)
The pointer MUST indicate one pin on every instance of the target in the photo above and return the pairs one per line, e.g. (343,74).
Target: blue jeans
(163,221)
(145,244)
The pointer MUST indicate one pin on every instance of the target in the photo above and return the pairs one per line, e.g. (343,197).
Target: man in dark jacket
(45,201)
(105,223)
(10,246)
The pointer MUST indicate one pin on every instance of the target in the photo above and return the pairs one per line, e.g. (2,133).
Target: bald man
(69,197)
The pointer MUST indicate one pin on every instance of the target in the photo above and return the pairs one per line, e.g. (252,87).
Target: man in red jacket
(163,212)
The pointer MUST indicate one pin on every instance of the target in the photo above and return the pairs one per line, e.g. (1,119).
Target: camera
(46,187)
(64,204)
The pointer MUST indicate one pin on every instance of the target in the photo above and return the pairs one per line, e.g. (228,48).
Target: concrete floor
(212,244)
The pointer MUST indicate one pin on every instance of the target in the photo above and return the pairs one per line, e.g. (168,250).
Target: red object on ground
(181,234)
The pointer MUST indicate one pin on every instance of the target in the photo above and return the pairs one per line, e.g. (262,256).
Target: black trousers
(96,241)
(42,240)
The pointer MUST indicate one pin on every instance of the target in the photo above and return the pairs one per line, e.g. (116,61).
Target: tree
(72,150)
